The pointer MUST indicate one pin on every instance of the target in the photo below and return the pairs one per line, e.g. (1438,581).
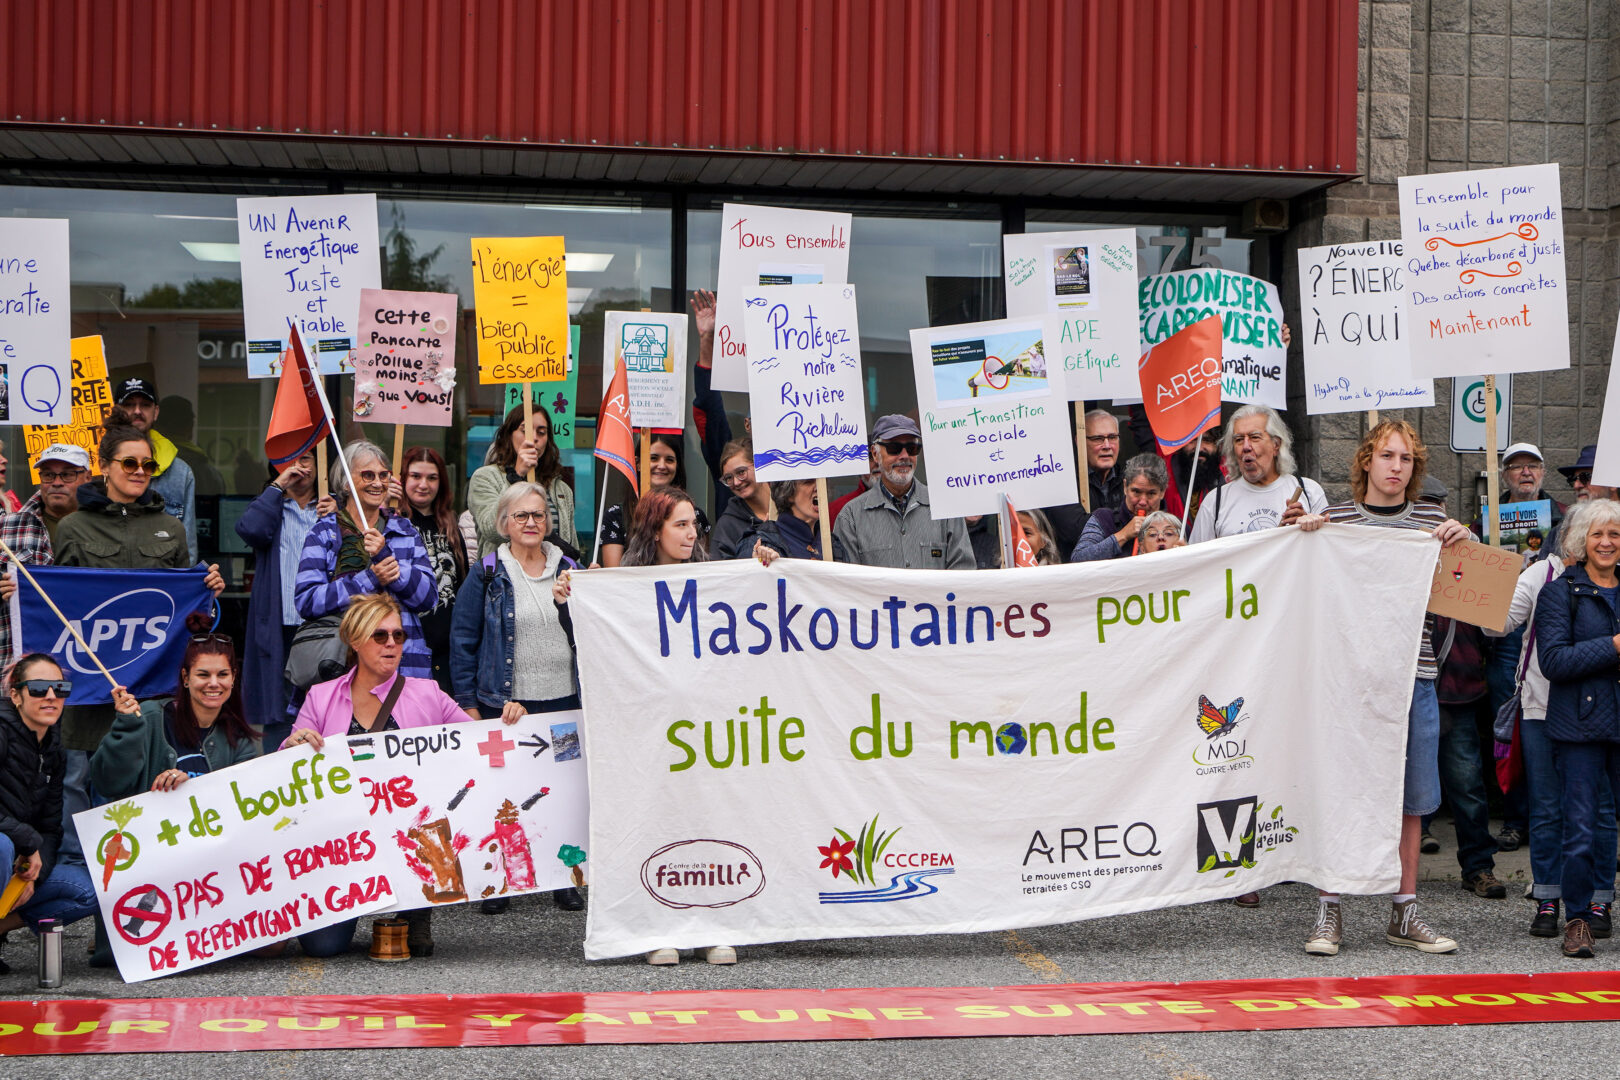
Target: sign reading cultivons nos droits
(652,348)
(1087,278)
(520,291)
(405,368)
(305,258)
(1485,290)
(804,382)
(1254,360)
(767,245)
(1354,318)
(994,416)
(829,772)
(36,369)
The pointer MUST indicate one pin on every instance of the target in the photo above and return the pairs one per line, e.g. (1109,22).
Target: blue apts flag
(134,621)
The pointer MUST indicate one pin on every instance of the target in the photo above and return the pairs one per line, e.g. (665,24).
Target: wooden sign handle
(1085,458)
(824,514)
(1493,527)
(528,421)
(399,459)
(323,489)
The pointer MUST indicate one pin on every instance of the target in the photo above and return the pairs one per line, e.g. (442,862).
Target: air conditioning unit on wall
(1265,216)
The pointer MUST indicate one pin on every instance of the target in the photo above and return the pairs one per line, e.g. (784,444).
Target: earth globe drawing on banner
(1010,739)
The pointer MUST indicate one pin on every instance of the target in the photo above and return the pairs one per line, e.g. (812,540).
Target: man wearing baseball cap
(31,531)
(174,483)
(891,524)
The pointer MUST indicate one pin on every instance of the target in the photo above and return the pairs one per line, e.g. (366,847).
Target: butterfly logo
(1215,722)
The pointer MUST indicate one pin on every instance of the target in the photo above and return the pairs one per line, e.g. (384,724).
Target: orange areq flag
(1023,553)
(614,443)
(298,419)
(1181,384)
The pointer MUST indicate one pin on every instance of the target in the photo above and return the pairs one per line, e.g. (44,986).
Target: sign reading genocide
(1254,360)
(305,258)
(828,772)
(652,347)
(1088,278)
(1485,290)
(92,399)
(405,370)
(35,322)
(1356,355)
(520,291)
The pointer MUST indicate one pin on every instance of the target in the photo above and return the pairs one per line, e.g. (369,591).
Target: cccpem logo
(702,873)
(119,630)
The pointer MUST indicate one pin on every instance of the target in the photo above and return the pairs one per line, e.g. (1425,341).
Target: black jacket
(30,789)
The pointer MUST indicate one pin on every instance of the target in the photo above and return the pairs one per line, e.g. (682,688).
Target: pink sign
(405,366)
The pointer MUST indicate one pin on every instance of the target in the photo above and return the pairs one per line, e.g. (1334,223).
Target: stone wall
(1461,84)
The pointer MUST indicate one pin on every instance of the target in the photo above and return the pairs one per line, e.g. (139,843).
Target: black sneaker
(1545,924)
(1597,917)
(1509,839)
(1430,844)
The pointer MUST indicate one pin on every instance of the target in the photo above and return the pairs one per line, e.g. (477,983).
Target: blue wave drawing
(849,361)
(901,887)
(766,363)
(818,455)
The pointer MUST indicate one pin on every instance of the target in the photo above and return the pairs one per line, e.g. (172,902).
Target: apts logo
(119,630)
(702,873)
(867,859)
(1234,833)
(1222,749)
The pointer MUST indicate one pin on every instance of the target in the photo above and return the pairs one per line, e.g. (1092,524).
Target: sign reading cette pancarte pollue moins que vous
(862,753)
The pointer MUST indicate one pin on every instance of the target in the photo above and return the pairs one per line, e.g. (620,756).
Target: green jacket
(120,536)
(484,491)
(136,750)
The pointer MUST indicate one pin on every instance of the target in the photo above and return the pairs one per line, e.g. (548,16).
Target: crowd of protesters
(382,607)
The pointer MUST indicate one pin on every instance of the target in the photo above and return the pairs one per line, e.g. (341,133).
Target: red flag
(1181,384)
(1023,554)
(297,420)
(614,442)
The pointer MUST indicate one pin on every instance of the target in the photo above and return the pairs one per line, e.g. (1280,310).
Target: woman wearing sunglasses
(511,645)
(380,551)
(376,695)
(31,800)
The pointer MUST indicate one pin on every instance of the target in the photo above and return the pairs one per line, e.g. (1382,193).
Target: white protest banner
(233,861)
(857,751)
(306,258)
(1254,360)
(36,321)
(1606,466)
(1485,289)
(1356,357)
(652,347)
(994,416)
(768,245)
(804,382)
(1088,278)
(405,365)
(476,810)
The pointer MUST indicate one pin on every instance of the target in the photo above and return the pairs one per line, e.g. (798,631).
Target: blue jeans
(1582,768)
(329,940)
(1421,794)
(65,895)
(1462,780)
(1545,792)
(75,799)
(1501,673)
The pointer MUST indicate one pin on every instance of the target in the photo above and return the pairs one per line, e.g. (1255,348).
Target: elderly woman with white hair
(1267,491)
(511,643)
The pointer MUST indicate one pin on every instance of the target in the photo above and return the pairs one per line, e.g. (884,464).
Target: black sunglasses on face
(912,448)
(38,688)
(382,637)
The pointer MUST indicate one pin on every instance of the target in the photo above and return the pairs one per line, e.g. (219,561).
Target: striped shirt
(1422,517)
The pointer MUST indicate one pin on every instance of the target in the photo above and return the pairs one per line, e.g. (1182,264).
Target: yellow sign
(520,293)
(92,398)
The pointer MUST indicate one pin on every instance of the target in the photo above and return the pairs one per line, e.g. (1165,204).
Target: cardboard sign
(92,399)
(1089,279)
(994,416)
(472,811)
(767,245)
(652,347)
(1474,583)
(405,369)
(520,291)
(232,861)
(804,383)
(1254,361)
(36,367)
(560,400)
(1485,290)
(306,258)
(1356,356)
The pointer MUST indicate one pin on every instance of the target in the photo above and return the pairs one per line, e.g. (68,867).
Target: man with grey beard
(891,524)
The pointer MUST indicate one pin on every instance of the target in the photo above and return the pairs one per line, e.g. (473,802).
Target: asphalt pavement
(534,948)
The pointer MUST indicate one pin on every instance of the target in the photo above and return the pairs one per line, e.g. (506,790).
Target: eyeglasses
(59,477)
(897,448)
(222,639)
(134,465)
(1096,440)
(1582,477)
(38,688)
(737,476)
(524,517)
(371,476)
(383,637)
(1528,466)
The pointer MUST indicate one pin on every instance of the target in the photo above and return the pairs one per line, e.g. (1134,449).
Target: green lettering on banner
(560,399)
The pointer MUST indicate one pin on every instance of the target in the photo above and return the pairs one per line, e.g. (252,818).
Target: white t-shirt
(1247,507)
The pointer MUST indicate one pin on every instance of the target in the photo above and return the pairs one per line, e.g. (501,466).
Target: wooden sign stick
(646,460)
(1493,526)
(823,512)
(1372,419)
(1085,458)
(323,489)
(528,422)
(399,457)
(12,555)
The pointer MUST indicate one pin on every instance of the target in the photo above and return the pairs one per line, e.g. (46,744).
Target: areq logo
(702,873)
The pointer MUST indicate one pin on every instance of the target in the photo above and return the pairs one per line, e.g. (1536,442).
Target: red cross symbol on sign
(495,747)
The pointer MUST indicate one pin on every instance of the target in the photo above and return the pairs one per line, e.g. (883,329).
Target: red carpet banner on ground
(161,1025)
(826,751)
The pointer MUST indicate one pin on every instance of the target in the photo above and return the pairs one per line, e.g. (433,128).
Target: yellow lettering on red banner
(145,1027)
(1343,1003)
(1543,999)
(84,1027)
(1052,1010)
(240,1023)
(294,1023)
(498,1021)
(828,1014)
(1184,1007)
(412,1022)
(782,1016)
(1422,1001)
(1264,1005)
(906,1012)
(589,1018)
(1608,997)
(1486,999)
(981,1012)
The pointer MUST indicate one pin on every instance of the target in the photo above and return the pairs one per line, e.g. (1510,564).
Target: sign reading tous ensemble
(855,755)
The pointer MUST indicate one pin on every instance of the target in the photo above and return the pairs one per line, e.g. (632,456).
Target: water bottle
(50,954)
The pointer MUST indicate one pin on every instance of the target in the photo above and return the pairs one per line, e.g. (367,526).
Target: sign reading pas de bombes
(520,291)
